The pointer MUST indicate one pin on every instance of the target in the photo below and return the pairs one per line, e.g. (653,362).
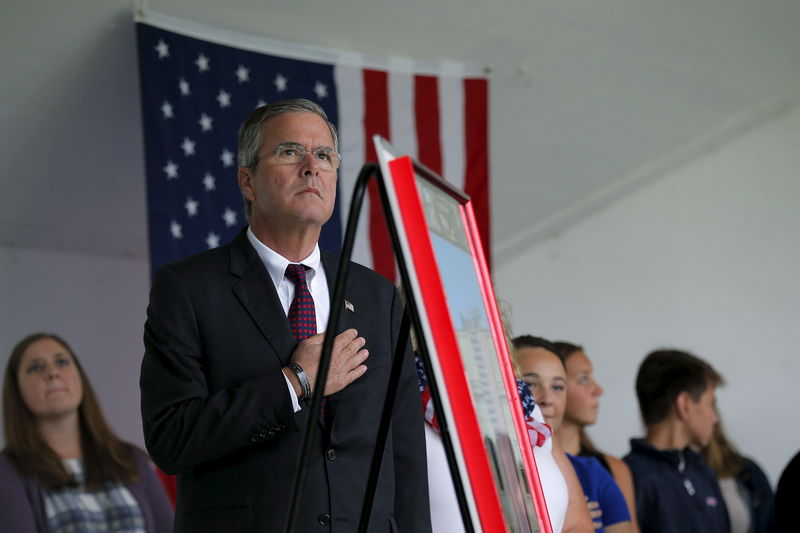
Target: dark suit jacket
(216,409)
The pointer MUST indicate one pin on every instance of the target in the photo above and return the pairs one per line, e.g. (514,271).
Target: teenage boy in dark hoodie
(676,492)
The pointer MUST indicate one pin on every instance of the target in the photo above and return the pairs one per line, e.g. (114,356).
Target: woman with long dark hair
(63,469)
(583,402)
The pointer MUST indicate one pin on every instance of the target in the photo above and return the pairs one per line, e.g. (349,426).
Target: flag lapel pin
(349,306)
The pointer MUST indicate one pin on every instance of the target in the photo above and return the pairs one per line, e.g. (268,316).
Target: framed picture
(491,459)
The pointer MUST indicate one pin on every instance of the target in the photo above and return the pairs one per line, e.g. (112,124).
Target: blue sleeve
(612,502)
(599,486)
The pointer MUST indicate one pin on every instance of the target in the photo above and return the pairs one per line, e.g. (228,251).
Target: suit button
(331,454)
(324,519)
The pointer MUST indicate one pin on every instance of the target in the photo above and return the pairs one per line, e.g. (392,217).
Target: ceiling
(589,99)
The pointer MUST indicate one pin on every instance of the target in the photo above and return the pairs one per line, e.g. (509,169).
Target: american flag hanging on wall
(198,84)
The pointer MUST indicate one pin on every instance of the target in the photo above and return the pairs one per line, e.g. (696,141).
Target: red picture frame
(436,229)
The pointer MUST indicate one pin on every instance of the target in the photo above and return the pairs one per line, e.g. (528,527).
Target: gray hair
(250,132)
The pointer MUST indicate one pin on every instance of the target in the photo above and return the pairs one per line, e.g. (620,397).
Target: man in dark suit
(225,382)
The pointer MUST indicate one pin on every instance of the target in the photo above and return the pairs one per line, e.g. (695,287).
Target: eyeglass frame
(300,148)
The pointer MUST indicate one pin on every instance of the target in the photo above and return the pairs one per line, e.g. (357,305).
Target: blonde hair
(721,455)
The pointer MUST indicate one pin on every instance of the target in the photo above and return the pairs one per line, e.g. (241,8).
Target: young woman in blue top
(545,373)
(583,403)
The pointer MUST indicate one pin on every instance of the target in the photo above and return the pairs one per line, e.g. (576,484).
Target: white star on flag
(261,102)
(229,217)
(176,230)
(224,98)
(166,108)
(162,49)
(280,83)
(171,169)
(187,146)
(191,206)
(212,240)
(209,182)
(227,158)
(205,122)
(202,63)
(183,85)
(242,74)
(321,90)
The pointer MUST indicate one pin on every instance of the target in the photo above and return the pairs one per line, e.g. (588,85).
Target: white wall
(97,304)
(706,259)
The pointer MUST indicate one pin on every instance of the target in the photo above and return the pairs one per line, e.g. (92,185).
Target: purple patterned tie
(302,315)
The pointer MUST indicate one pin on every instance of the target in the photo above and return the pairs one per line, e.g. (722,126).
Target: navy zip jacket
(760,498)
(676,492)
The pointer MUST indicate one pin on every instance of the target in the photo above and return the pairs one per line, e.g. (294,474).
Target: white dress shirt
(316,280)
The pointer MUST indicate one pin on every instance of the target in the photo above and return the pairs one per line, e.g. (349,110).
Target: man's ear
(683,404)
(244,176)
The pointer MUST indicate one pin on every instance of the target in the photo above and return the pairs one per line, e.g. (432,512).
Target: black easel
(367,171)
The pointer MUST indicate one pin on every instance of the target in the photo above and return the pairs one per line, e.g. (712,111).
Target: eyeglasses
(293,153)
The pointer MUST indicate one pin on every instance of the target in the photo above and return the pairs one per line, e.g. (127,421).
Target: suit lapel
(331,264)
(255,291)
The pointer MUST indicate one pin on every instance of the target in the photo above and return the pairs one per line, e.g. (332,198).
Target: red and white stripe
(442,120)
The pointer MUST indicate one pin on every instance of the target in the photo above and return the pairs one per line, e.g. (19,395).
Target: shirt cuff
(292,394)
